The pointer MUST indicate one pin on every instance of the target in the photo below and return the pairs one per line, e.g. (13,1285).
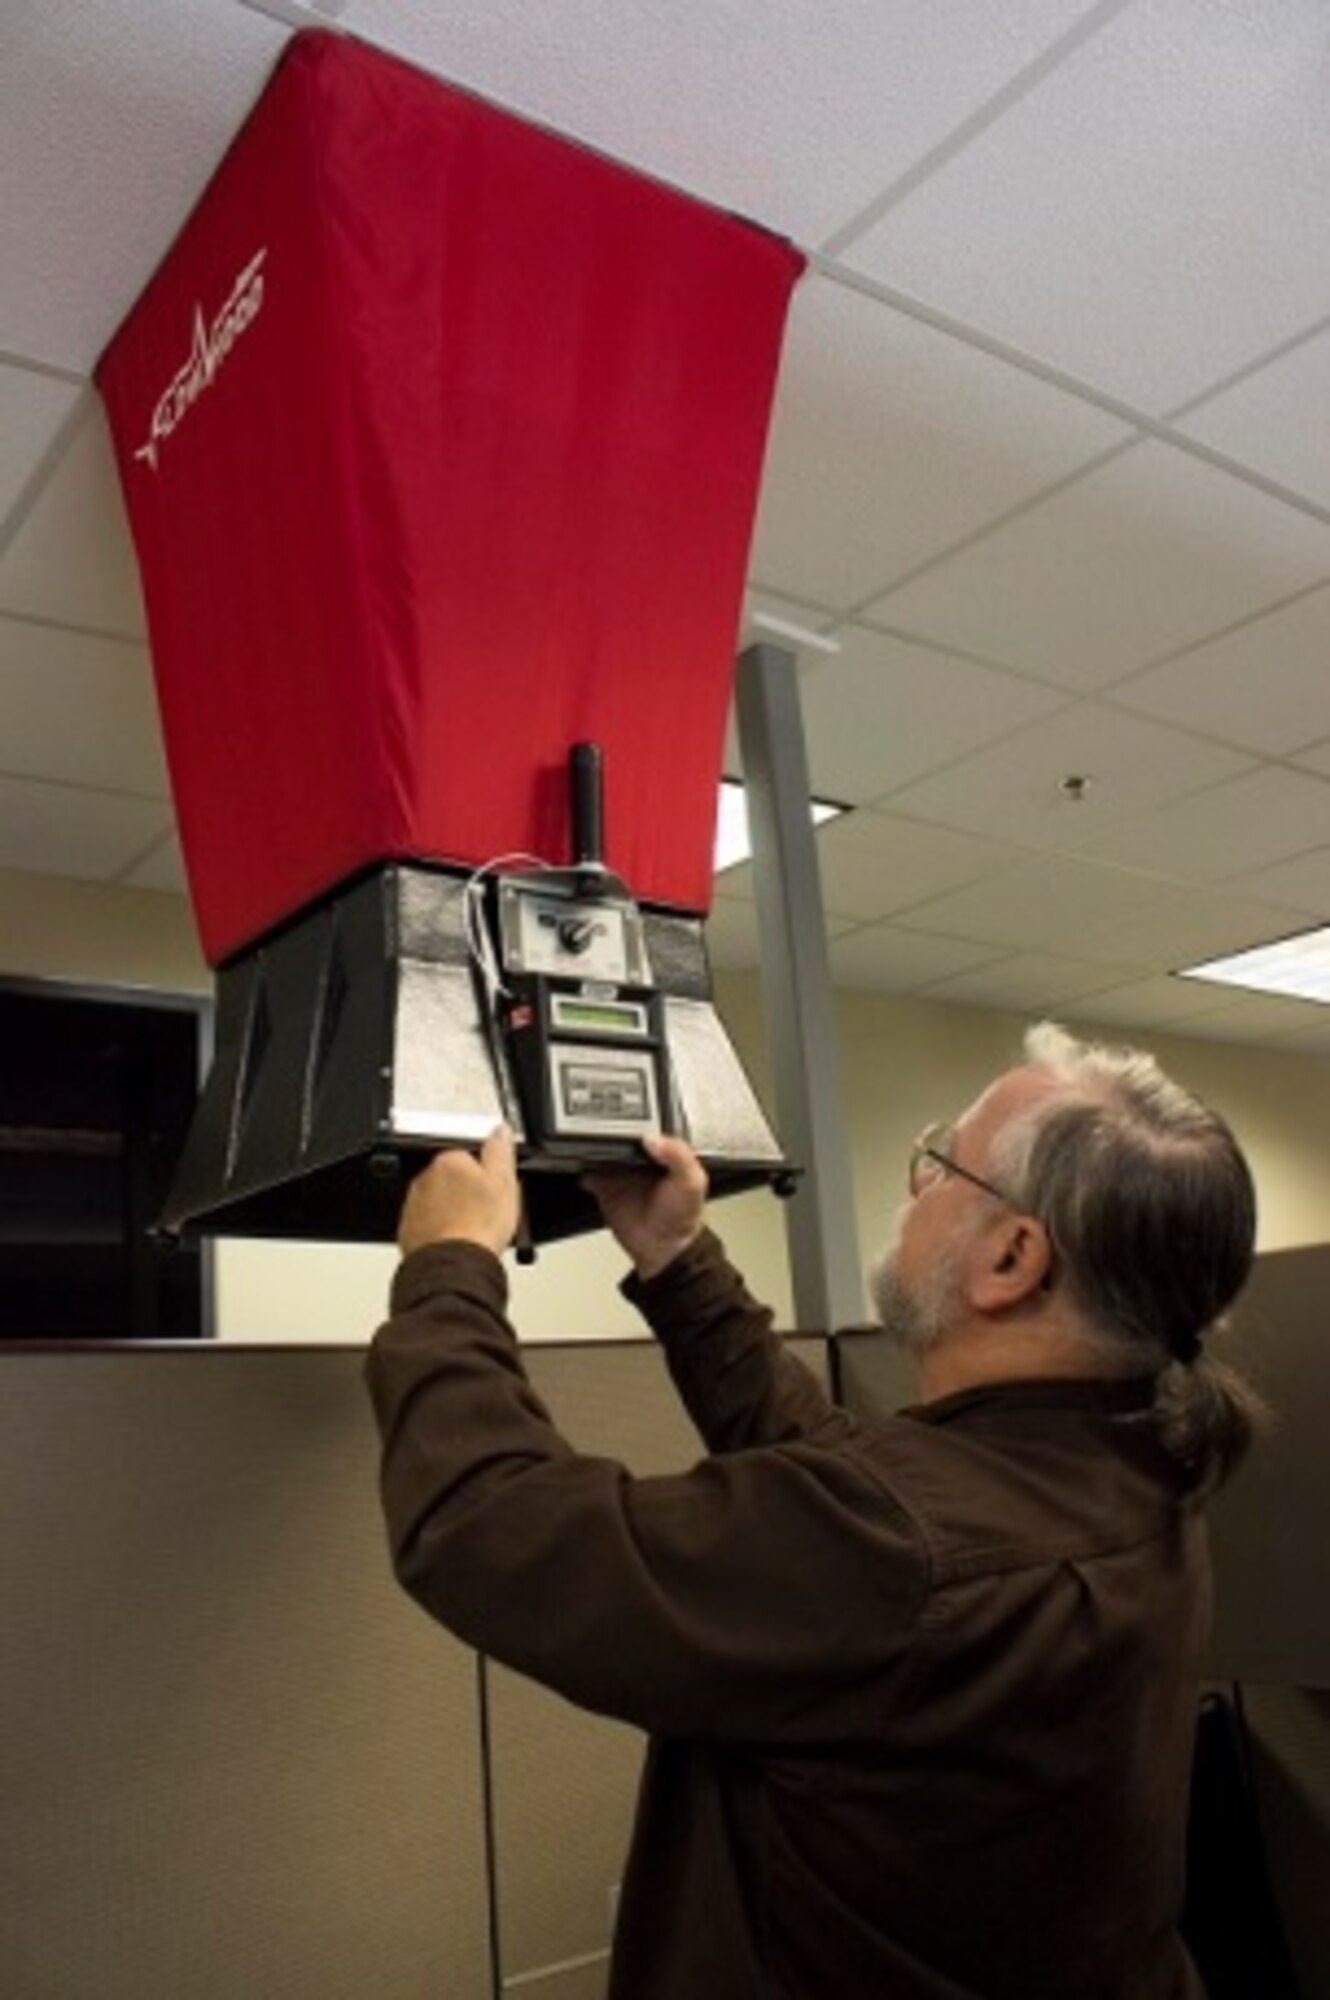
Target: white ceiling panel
(872,866)
(33,405)
(1050,904)
(1140,557)
(1014,790)
(885,959)
(1258,1017)
(112,117)
(71,559)
(795,115)
(1265,686)
(1317,758)
(883,712)
(161,868)
(1263,816)
(918,441)
(1031,981)
(1153,215)
(69,830)
(1190,924)
(1270,419)
(877,710)
(1158,1002)
(1302,883)
(732,936)
(79,709)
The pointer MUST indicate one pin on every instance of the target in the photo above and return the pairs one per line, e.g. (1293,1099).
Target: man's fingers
(498,1154)
(677,1157)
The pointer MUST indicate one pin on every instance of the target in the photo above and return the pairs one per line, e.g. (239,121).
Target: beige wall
(904,1062)
(93,934)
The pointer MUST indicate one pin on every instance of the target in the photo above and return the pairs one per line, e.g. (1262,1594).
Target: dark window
(96,1095)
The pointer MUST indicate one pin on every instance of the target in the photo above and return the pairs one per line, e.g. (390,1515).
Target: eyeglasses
(931,1161)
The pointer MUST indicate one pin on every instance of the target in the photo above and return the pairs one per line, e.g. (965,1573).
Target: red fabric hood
(440,439)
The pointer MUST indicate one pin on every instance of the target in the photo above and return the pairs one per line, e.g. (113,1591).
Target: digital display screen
(602,1017)
(612,1094)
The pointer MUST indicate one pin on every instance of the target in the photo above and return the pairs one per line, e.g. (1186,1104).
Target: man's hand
(459,1199)
(654,1216)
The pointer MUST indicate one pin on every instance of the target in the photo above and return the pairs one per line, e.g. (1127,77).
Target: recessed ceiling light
(1298,967)
(733,843)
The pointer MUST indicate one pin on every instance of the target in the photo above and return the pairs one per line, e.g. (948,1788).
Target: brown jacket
(920,1689)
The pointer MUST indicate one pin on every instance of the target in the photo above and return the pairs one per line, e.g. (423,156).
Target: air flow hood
(440,440)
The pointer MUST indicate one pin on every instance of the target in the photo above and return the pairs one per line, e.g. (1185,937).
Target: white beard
(917,1316)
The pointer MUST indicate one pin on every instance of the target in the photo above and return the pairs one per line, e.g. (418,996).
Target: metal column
(796,986)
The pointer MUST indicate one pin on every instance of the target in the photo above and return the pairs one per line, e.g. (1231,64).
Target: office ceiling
(1050,458)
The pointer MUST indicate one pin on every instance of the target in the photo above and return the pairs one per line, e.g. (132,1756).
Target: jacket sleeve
(751,1597)
(739,1383)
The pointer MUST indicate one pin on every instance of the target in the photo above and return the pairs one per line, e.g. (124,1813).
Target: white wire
(478,939)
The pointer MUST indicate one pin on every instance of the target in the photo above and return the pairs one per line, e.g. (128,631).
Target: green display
(599,1016)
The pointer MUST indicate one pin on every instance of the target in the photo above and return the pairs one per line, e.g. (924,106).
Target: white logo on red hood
(210,347)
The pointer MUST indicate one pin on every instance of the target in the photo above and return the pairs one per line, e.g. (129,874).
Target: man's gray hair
(1151,1212)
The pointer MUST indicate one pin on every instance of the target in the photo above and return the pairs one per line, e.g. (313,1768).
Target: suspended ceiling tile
(1265,686)
(162,868)
(66,830)
(1263,420)
(1317,758)
(112,117)
(885,959)
(1014,790)
(1258,1017)
(799,618)
(1191,924)
(1152,216)
(732,936)
(1263,816)
(1142,556)
(1157,1002)
(917,440)
(1051,904)
(72,560)
(33,405)
(1302,882)
(1030,982)
(884,712)
(872,865)
(79,709)
(795,115)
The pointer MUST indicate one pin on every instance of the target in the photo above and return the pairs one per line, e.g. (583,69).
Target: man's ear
(1010,1263)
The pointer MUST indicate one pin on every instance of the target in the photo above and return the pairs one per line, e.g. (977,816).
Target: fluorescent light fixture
(733,844)
(1298,967)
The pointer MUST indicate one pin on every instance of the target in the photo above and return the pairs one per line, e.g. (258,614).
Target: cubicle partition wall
(1287,1732)
(235,1758)
(1272,1555)
(1272,1590)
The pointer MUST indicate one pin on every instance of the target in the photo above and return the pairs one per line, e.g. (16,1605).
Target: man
(920,1689)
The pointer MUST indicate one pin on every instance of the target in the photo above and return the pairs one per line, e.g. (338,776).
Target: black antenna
(587,804)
